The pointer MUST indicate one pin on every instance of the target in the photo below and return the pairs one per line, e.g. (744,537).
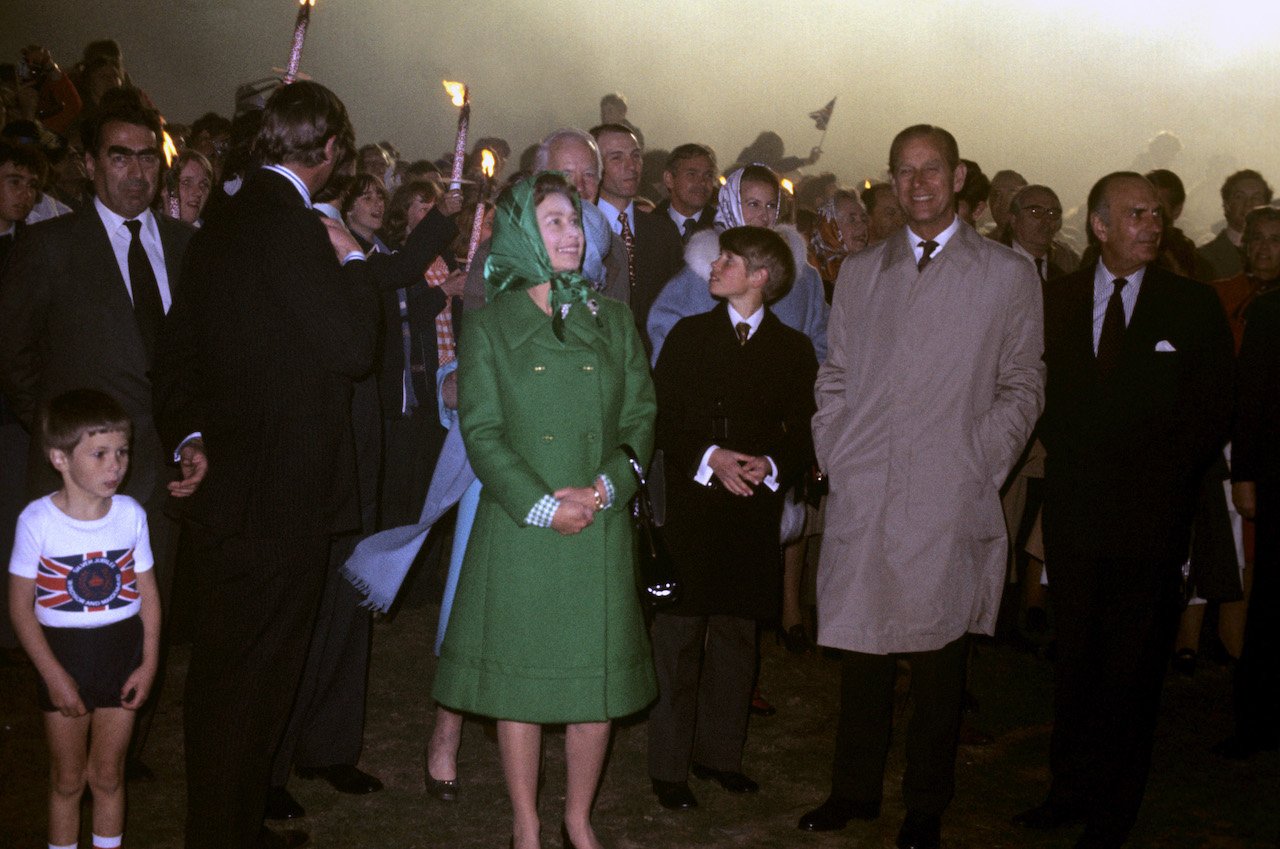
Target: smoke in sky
(1061,91)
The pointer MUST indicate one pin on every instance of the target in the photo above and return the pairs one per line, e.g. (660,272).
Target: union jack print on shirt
(87,583)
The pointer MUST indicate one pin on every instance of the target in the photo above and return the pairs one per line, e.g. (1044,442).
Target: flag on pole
(822,116)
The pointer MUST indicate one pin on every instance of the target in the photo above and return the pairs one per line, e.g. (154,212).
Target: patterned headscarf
(518,259)
(826,246)
(729,211)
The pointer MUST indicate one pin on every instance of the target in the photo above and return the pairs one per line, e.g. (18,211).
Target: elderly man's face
(926,186)
(126,168)
(578,162)
(1037,221)
(1129,230)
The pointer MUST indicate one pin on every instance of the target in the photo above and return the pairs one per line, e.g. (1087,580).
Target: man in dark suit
(655,252)
(1241,192)
(260,359)
(1035,217)
(1138,403)
(83,299)
(690,178)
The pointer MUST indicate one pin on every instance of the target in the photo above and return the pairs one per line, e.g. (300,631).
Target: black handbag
(655,571)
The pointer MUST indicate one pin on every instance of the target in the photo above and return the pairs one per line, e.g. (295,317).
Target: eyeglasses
(1040,213)
(119,157)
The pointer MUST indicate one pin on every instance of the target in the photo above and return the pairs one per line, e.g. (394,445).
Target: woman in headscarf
(546,626)
(841,230)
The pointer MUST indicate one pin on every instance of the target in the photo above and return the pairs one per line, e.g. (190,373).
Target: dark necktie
(1111,340)
(628,239)
(1040,268)
(148,309)
(690,224)
(925,258)
(744,332)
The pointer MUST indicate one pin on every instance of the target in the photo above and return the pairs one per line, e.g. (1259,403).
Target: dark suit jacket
(1255,445)
(659,257)
(1126,455)
(260,355)
(755,398)
(67,322)
(704,219)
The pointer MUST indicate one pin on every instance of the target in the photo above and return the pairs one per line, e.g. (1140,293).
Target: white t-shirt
(85,572)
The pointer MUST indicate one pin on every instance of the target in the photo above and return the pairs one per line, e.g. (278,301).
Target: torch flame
(170,149)
(723,179)
(457,91)
(788,186)
(306,2)
(866,184)
(487,162)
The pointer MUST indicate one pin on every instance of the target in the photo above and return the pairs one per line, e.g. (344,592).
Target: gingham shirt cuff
(541,514)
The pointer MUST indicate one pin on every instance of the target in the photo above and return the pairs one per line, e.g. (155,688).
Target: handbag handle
(644,507)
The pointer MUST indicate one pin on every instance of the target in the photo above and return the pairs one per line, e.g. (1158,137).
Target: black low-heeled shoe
(796,640)
(446,790)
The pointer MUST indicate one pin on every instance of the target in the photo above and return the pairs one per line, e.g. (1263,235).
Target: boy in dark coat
(735,395)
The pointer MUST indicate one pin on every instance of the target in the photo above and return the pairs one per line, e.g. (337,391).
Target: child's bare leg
(68,738)
(112,728)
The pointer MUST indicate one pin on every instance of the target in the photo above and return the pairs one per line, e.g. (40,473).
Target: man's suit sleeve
(1208,401)
(617,284)
(1002,431)
(25,295)
(405,267)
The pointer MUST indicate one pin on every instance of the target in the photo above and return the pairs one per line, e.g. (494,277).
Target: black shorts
(100,660)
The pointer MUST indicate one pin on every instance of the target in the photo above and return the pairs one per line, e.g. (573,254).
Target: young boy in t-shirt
(83,602)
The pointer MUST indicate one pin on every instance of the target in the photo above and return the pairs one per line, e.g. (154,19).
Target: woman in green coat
(546,626)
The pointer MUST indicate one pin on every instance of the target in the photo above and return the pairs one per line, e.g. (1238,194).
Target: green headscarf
(518,259)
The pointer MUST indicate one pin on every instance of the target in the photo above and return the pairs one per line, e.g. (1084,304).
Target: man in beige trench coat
(930,390)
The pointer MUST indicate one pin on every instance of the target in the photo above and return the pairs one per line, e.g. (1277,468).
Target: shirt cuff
(541,513)
(704,472)
(177,454)
(354,255)
(609,492)
(771,480)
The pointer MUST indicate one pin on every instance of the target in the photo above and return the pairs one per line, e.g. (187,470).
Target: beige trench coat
(931,387)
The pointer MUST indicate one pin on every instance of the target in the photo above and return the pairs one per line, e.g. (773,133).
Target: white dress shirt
(1102,289)
(942,238)
(120,238)
(611,214)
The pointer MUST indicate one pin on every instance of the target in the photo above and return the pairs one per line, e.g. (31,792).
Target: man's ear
(331,149)
(1099,226)
(668,181)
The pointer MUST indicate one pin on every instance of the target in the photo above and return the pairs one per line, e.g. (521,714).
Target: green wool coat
(547,628)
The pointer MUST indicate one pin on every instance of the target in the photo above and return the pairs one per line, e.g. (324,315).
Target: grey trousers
(706,666)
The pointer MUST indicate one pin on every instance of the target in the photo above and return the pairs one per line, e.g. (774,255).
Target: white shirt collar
(942,239)
(114,221)
(753,320)
(611,214)
(283,170)
(12,231)
(1103,276)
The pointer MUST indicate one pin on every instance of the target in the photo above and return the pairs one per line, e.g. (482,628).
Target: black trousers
(1115,621)
(866,726)
(705,667)
(327,724)
(1257,676)
(256,603)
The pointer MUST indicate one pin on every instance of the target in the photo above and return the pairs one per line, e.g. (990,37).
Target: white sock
(100,842)
(68,846)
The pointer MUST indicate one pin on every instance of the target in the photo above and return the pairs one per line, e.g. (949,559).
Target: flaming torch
(462,100)
(299,36)
(170,154)
(487,164)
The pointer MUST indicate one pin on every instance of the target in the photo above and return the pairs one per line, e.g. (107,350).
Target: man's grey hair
(543,156)
(1015,203)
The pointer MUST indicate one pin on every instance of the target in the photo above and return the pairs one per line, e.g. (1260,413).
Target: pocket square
(1164,345)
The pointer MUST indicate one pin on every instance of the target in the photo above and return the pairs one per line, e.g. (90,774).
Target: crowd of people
(232,350)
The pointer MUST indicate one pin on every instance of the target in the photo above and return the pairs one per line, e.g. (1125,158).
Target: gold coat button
(546,437)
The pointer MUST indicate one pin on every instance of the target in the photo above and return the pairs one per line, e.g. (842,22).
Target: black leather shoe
(674,795)
(287,839)
(1049,815)
(344,778)
(835,813)
(734,782)
(282,806)
(920,831)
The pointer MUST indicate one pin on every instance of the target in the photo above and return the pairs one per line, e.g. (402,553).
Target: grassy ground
(1194,800)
